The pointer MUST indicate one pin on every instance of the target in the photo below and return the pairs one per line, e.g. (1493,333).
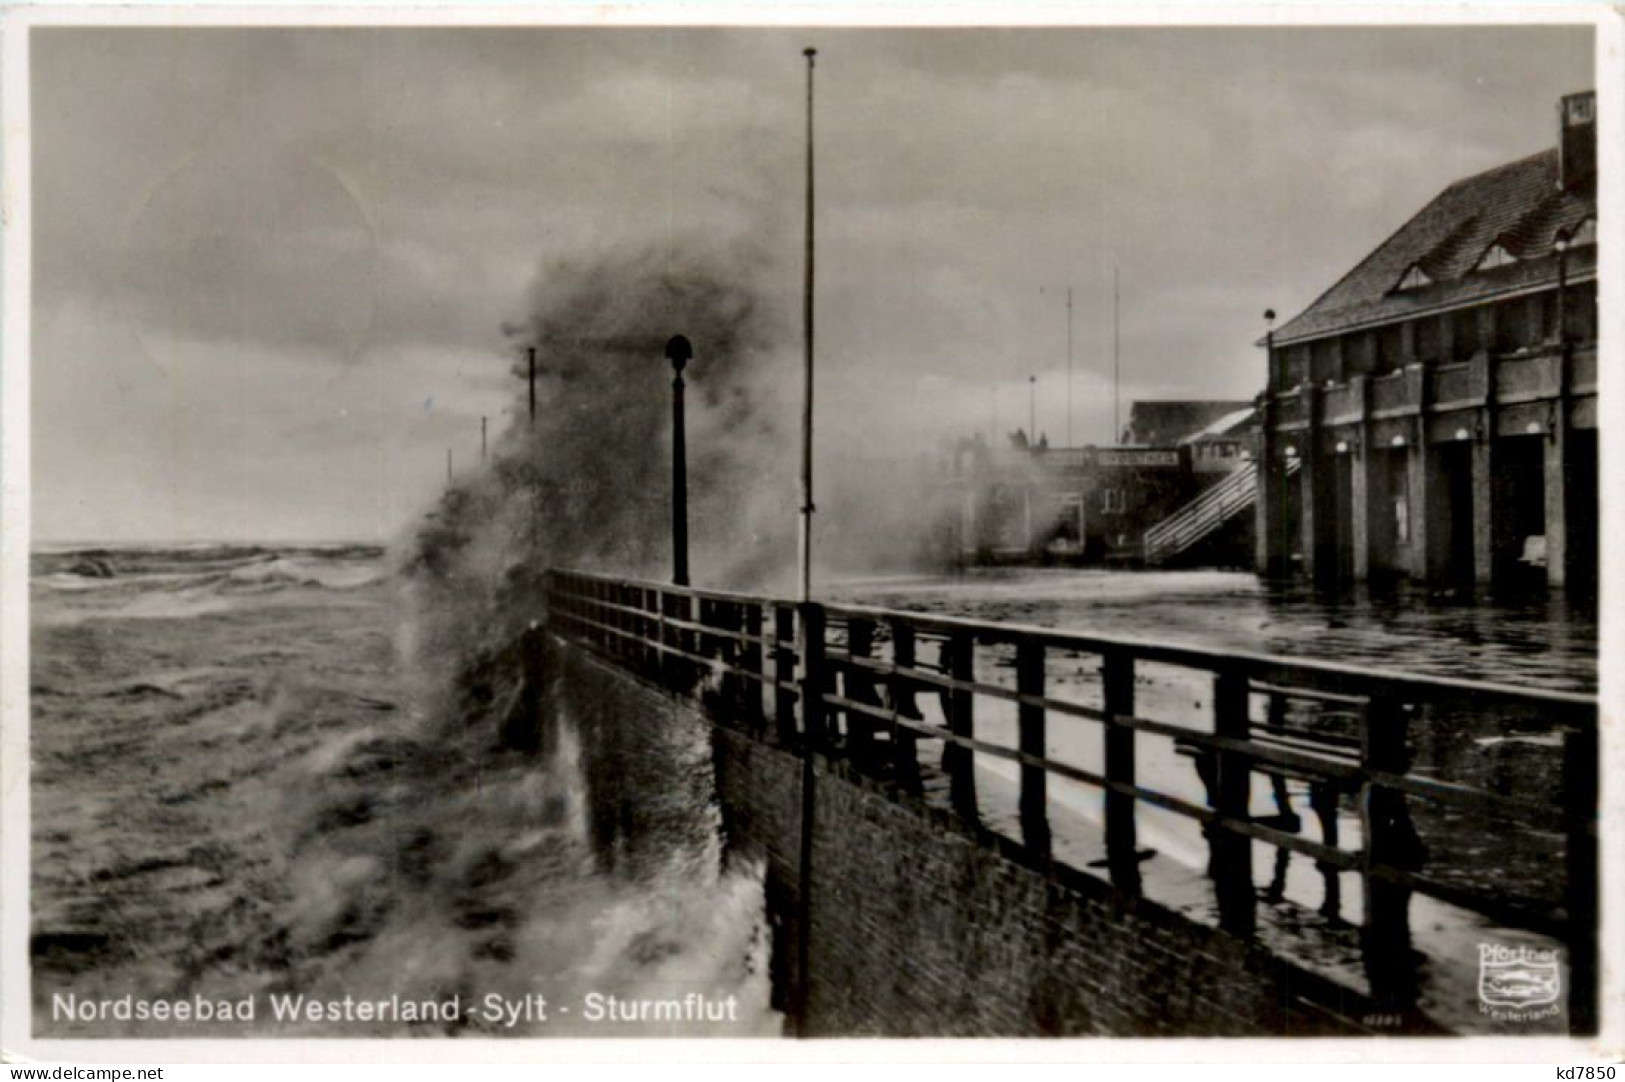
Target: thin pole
(1562,298)
(483,452)
(532,352)
(1032,411)
(1117,397)
(679,485)
(1069,366)
(805,547)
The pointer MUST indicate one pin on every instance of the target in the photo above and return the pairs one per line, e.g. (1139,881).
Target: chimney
(1577,140)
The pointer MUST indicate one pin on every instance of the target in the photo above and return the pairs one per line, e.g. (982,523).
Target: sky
(272,267)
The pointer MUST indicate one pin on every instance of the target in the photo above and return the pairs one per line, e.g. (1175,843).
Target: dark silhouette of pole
(1069,366)
(1117,397)
(1561,244)
(532,352)
(805,546)
(678,352)
(483,445)
(1273,377)
(809,626)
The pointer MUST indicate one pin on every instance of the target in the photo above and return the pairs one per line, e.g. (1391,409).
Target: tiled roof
(1517,205)
(1226,426)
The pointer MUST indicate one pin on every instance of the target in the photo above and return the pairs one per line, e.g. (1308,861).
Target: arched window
(1414,278)
(1496,256)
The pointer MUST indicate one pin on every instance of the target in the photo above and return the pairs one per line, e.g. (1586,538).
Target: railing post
(595,613)
(814,676)
(653,656)
(601,618)
(959,663)
(704,609)
(687,668)
(626,645)
(1122,841)
(669,662)
(1232,851)
(859,687)
(725,617)
(1580,766)
(751,659)
(905,743)
(784,673)
(1390,842)
(1031,739)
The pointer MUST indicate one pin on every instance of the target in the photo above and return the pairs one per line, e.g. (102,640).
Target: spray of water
(587,484)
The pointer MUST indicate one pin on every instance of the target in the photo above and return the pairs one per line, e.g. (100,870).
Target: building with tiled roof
(1170,420)
(1441,395)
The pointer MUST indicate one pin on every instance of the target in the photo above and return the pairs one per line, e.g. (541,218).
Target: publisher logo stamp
(1518,984)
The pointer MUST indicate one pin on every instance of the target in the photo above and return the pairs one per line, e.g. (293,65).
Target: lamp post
(1269,543)
(532,352)
(804,554)
(678,352)
(1069,366)
(1032,411)
(1272,377)
(1560,244)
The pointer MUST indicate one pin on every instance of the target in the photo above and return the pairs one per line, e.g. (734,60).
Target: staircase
(1205,514)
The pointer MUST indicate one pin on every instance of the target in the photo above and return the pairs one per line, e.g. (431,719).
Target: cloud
(359,212)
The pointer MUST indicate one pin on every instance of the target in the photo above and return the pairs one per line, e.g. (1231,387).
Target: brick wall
(920,928)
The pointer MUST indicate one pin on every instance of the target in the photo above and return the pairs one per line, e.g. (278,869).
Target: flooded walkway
(1544,642)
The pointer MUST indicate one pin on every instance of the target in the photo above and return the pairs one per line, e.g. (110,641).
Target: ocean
(258,772)
(254,777)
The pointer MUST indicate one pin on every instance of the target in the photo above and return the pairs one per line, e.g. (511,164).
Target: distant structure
(1167,421)
(1025,503)
(1433,415)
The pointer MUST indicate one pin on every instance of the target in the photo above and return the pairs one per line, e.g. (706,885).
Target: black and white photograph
(726,530)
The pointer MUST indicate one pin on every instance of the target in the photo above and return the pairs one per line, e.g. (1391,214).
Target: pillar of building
(1318,506)
(1484,509)
(1268,551)
(1429,509)
(1360,487)
(1360,508)
(1407,342)
(1318,513)
(1556,484)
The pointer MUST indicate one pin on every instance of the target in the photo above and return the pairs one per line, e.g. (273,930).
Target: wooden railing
(888,684)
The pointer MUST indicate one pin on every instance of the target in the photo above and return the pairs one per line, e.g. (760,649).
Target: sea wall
(920,926)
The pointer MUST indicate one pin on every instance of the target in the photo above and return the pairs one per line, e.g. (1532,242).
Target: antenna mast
(805,554)
(1117,397)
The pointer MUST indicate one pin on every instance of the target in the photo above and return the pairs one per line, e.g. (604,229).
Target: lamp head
(679,352)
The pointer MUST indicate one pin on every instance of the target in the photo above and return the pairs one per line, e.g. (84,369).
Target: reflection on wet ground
(1542,643)
(1539,641)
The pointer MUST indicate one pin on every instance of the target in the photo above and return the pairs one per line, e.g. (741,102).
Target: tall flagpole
(805,548)
(1069,366)
(1117,398)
